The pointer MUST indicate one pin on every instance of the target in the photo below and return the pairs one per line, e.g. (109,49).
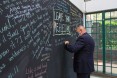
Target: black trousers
(83,75)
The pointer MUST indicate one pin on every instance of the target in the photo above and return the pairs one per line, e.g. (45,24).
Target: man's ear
(80,30)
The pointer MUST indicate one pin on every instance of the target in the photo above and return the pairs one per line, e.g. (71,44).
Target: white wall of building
(99,5)
(95,5)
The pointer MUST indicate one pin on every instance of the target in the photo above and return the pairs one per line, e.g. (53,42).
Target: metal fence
(102,26)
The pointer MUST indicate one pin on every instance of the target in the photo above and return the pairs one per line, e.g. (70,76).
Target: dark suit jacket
(83,51)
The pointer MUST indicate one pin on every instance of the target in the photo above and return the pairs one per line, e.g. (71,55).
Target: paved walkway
(95,77)
(99,76)
(110,67)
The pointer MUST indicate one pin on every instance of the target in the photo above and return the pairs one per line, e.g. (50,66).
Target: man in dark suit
(83,50)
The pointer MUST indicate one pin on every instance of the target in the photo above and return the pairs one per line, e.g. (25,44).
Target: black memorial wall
(31,39)
(76,19)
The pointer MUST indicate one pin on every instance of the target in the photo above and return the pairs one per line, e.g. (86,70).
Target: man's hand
(66,42)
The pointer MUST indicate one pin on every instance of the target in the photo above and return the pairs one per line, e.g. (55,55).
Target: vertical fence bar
(103,41)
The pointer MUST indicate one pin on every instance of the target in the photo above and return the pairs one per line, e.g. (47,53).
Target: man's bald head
(80,29)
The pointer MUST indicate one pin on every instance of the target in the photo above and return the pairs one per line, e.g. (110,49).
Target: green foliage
(108,23)
(112,23)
